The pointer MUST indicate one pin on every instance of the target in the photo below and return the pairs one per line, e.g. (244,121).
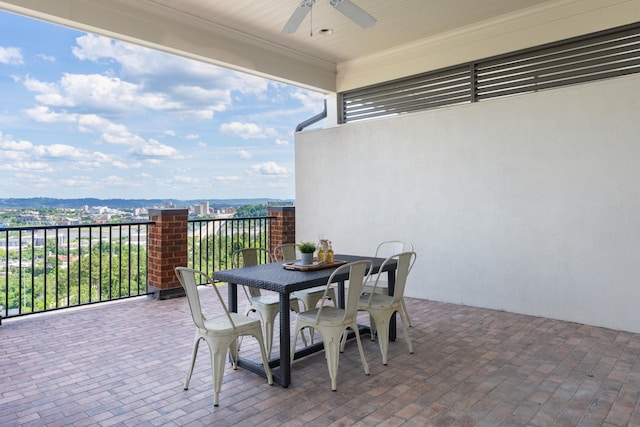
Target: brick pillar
(283,227)
(167,250)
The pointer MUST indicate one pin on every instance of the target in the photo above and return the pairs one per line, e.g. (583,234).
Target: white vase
(306,258)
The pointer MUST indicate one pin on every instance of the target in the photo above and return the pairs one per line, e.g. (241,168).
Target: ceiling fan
(346,7)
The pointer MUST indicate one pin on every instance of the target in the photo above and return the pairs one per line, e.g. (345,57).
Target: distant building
(204,208)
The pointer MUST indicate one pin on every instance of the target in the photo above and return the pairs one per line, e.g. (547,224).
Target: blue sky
(86,116)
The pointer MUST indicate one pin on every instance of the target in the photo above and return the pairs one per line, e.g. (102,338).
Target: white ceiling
(400,22)
(410,36)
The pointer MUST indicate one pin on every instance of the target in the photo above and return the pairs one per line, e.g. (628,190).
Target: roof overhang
(167,25)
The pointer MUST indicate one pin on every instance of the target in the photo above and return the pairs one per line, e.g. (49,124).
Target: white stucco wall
(529,204)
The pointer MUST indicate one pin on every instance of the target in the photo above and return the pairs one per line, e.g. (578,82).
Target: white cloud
(153,148)
(10,56)
(6,143)
(170,132)
(247,130)
(192,136)
(186,179)
(270,168)
(226,178)
(31,166)
(244,154)
(310,100)
(44,57)
(58,151)
(43,114)
(96,92)
(113,180)
(77,181)
(202,90)
(282,142)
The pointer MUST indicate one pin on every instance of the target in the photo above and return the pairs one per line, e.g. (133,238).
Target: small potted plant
(306,252)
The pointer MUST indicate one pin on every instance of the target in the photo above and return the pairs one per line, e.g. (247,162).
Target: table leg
(232,290)
(285,339)
(341,294)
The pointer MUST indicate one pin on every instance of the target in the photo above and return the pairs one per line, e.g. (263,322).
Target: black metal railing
(45,268)
(212,241)
(53,267)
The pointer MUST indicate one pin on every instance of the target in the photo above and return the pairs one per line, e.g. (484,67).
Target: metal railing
(45,268)
(212,241)
(54,267)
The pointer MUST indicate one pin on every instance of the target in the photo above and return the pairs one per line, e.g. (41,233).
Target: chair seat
(330,316)
(381,288)
(311,296)
(377,301)
(269,299)
(221,326)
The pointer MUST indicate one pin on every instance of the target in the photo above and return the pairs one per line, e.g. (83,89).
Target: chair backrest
(248,257)
(392,247)
(188,279)
(358,271)
(405,262)
(285,252)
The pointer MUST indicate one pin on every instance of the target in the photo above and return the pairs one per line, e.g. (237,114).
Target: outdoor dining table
(274,277)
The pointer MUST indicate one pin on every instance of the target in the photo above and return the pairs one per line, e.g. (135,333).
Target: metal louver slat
(603,55)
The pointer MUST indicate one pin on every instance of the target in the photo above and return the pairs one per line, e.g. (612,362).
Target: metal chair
(311,296)
(332,323)
(384,250)
(221,332)
(266,305)
(381,306)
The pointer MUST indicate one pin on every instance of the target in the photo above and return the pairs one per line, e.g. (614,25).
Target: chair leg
(331,347)
(234,347)
(405,320)
(296,308)
(268,336)
(265,359)
(240,338)
(293,342)
(193,361)
(404,307)
(365,365)
(382,330)
(218,350)
(372,327)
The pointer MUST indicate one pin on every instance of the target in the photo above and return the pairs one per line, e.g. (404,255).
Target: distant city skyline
(88,116)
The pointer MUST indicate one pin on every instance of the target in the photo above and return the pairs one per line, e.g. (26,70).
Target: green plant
(307,247)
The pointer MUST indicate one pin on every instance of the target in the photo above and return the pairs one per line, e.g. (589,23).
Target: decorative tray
(295,265)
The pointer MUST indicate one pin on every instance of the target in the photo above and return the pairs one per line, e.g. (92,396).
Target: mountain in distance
(49,202)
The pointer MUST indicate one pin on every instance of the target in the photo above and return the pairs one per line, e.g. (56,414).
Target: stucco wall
(529,204)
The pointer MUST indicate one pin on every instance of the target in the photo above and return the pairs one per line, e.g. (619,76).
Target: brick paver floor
(123,364)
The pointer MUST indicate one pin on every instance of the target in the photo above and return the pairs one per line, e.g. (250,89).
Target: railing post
(167,250)
(283,227)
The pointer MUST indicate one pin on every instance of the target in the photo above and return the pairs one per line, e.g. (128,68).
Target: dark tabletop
(275,277)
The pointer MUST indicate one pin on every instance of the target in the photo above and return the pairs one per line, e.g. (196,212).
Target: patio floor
(124,364)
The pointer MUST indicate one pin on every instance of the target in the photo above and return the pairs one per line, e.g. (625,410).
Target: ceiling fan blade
(298,15)
(353,12)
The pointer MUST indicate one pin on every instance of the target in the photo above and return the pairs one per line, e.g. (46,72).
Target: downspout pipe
(312,120)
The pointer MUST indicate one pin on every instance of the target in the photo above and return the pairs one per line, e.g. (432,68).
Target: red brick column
(167,250)
(283,227)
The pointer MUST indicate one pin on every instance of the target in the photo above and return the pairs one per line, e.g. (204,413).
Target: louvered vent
(598,56)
